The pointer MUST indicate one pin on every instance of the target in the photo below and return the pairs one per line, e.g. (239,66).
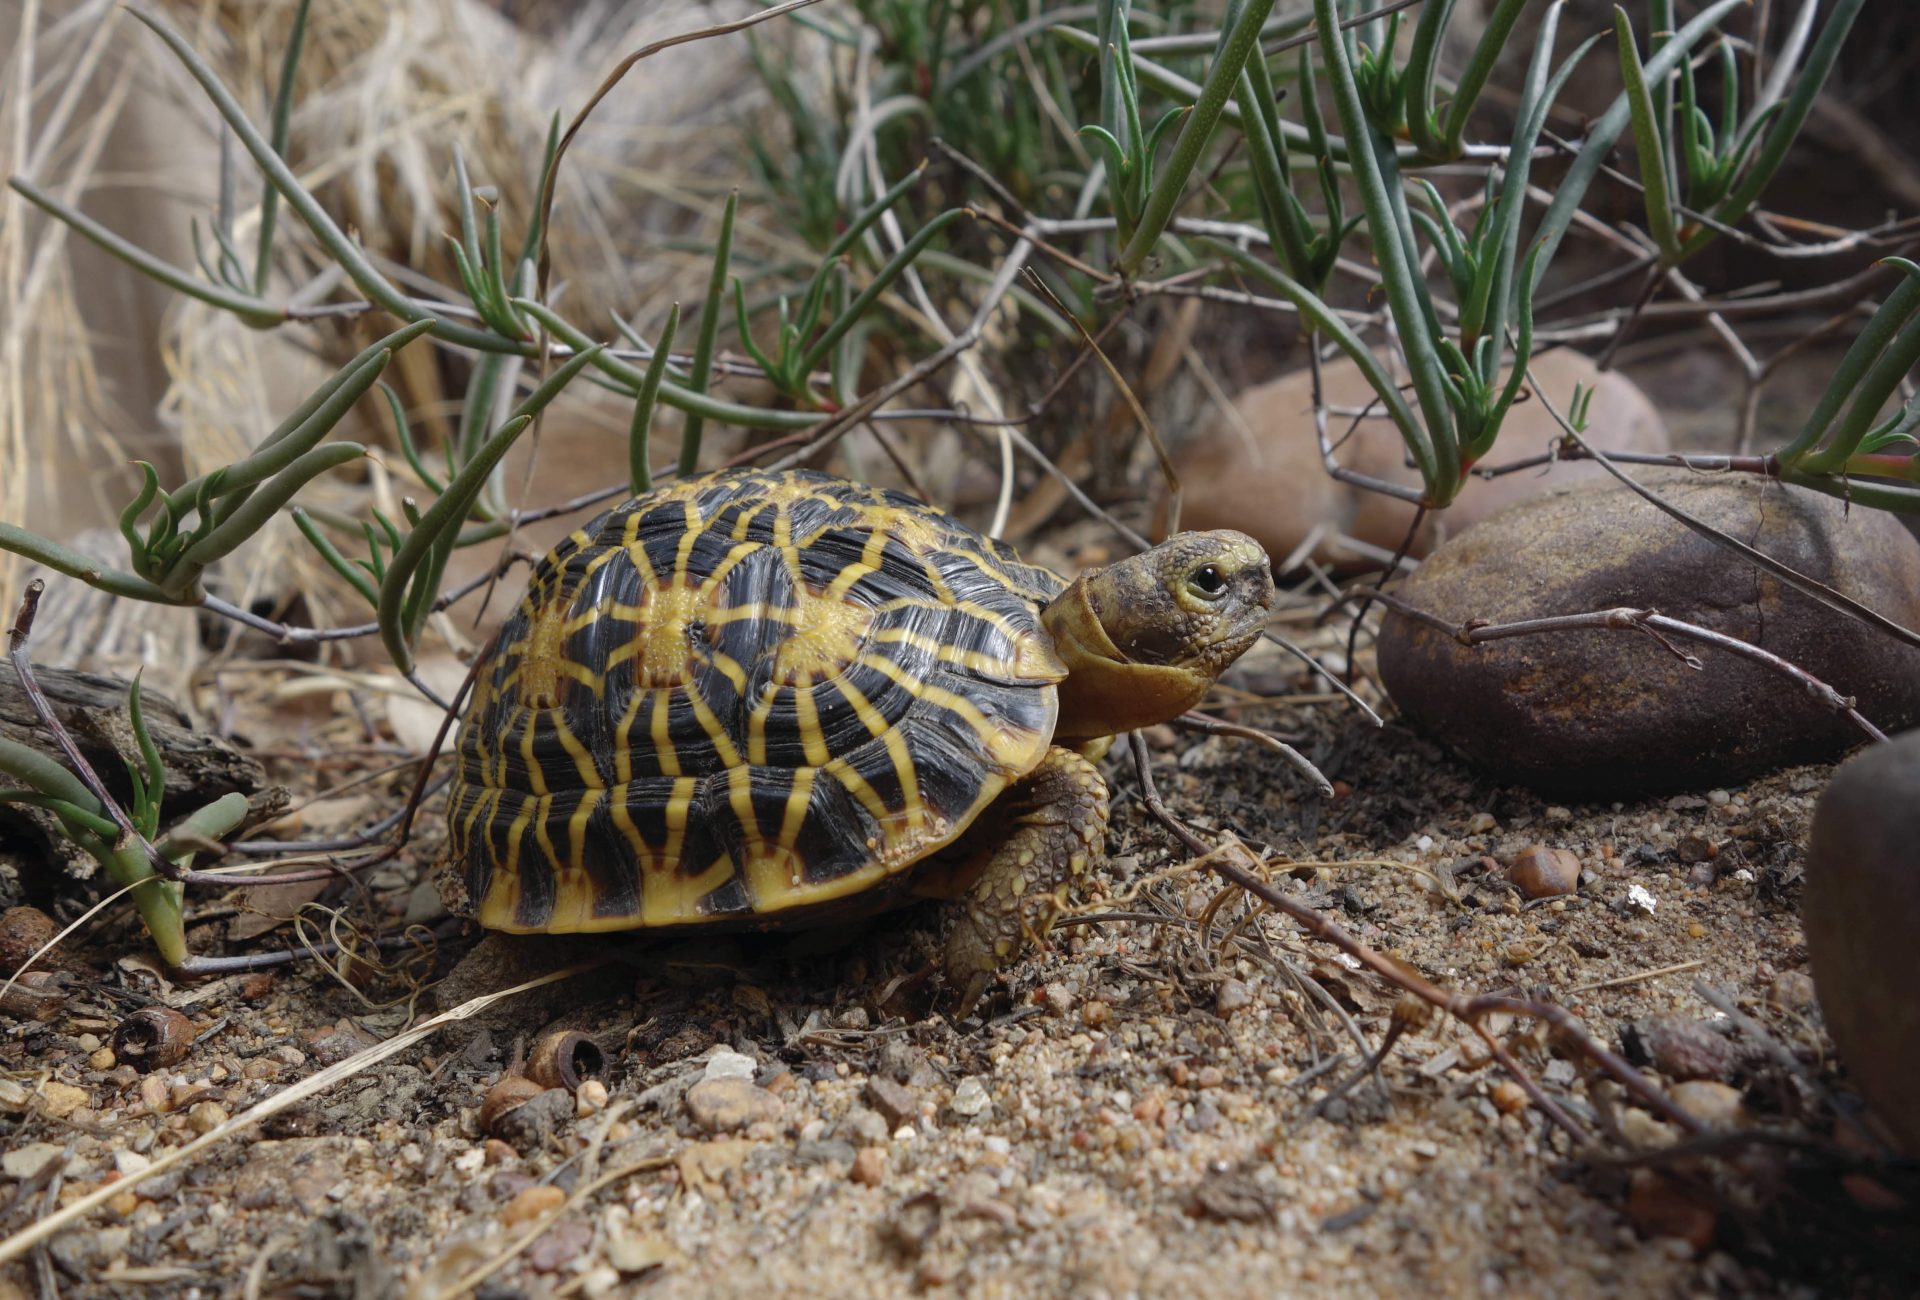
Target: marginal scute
(741,695)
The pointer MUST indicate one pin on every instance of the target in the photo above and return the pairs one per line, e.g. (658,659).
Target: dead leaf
(268,907)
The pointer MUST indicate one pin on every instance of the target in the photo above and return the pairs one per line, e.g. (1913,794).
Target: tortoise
(757,700)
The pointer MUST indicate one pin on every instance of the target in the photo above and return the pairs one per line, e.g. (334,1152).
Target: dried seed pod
(509,1094)
(153,1038)
(24,931)
(564,1058)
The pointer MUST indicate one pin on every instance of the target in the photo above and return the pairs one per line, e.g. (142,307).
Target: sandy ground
(1143,1110)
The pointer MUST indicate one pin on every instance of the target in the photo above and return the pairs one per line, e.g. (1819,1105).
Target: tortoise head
(1144,638)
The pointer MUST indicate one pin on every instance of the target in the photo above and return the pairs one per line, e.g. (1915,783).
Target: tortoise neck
(1105,692)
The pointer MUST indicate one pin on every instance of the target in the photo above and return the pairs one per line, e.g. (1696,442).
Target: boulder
(1602,712)
(1862,911)
(1258,468)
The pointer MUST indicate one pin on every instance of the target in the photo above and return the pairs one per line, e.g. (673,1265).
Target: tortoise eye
(1207,581)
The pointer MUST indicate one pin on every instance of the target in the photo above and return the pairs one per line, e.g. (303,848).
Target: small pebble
(533,1123)
(1509,1098)
(14,1096)
(729,1065)
(1682,1047)
(864,1125)
(28,1159)
(558,1246)
(1094,1013)
(532,1203)
(1642,1131)
(1233,995)
(1792,991)
(636,1252)
(828,1151)
(970,1097)
(496,1152)
(896,1102)
(59,1100)
(1712,1103)
(332,1044)
(101,1059)
(1540,872)
(591,1098)
(596,1282)
(206,1116)
(869,1166)
(727,1103)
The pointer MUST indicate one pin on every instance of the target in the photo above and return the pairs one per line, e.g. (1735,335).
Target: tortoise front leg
(1057,821)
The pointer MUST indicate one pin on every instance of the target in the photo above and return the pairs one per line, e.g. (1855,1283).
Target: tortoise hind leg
(1056,824)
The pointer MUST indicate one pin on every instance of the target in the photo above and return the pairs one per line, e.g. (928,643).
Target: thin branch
(1469,1010)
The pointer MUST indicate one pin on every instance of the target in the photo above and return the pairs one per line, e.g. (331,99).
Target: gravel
(796,1116)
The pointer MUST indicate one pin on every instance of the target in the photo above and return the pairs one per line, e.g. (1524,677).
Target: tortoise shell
(740,697)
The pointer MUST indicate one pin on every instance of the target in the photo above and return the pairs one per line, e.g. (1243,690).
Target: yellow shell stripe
(843,771)
(1007,748)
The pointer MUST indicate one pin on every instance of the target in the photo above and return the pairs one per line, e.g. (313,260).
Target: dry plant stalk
(43,1229)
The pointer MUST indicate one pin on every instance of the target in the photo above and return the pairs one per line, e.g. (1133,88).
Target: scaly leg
(1057,831)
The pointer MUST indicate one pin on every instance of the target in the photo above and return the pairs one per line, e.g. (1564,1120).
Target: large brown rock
(1862,914)
(1258,468)
(1602,711)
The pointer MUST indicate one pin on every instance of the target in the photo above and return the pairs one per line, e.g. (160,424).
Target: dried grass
(387,88)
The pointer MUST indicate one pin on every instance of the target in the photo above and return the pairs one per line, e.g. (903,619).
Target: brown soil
(1142,1111)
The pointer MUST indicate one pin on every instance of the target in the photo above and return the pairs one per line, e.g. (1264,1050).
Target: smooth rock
(727,1103)
(1258,468)
(1540,872)
(1604,711)
(1861,910)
